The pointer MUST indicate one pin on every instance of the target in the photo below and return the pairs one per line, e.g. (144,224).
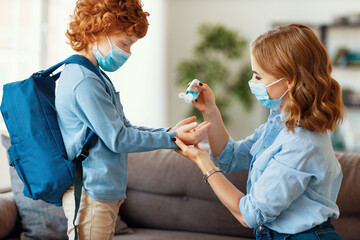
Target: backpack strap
(73,59)
(91,138)
(84,62)
(90,142)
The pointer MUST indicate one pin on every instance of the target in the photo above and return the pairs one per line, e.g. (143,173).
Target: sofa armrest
(5,189)
(8,214)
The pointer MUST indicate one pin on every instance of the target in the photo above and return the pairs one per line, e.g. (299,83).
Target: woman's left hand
(195,154)
(228,194)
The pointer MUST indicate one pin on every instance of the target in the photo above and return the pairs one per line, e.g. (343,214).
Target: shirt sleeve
(236,156)
(283,180)
(143,128)
(93,105)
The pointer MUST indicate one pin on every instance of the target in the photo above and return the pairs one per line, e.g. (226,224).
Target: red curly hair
(314,99)
(95,18)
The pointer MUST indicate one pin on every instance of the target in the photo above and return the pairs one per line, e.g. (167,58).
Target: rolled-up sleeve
(93,106)
(236,156)
(282,181)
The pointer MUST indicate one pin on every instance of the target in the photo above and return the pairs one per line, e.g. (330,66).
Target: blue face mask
(113,60)
(259,90)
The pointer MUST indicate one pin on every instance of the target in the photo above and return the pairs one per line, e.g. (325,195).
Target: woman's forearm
(228,194)
(217,135)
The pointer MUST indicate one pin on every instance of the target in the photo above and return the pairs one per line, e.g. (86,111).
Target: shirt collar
(276,113)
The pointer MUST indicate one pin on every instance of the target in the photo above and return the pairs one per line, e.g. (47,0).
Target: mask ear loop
(109,41)
(274,82)
(284,94)
(285,91)
(277,105)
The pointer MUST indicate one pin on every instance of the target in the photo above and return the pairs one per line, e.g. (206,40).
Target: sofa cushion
(41,220)
(8,214)
(146,234)
(166,191)
(348,200)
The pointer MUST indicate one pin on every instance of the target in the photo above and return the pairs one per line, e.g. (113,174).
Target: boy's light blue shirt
(293,181)
(84,101)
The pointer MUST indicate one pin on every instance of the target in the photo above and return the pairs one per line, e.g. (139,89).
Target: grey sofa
(167,199)
(166,192)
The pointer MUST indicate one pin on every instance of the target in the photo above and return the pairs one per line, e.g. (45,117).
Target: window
(33,38)
(20,22)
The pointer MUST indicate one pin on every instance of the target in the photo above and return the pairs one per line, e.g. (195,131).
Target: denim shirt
(84,101)
(294,178)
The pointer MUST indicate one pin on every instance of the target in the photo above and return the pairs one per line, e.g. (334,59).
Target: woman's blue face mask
(113,60)
(259,90)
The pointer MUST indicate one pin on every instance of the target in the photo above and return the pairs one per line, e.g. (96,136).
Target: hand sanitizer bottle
(192,92)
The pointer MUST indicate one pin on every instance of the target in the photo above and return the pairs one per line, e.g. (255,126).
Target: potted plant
(219,51)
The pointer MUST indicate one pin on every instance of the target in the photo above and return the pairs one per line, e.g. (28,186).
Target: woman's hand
(182,123)
(218,136)
(195,154)
(206,100)
(228,194)
(192,133)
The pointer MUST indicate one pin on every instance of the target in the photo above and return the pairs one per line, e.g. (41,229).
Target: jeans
(324,231)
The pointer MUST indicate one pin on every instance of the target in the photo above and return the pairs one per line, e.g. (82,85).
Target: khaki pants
(95,219)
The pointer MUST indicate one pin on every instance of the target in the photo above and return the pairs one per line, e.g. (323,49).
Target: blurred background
(33,38)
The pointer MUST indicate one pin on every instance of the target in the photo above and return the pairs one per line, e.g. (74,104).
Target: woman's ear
(288,83)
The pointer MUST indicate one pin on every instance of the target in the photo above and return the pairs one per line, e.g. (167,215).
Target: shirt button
(271,122)
(264,147)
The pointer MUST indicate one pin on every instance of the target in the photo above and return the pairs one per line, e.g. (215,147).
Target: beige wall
(250,18)
(172,35)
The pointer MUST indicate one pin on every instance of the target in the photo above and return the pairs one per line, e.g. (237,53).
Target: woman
(294,176)
(103,32)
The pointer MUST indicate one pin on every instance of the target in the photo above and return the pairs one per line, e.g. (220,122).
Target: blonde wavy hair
(95,18)
(314,99)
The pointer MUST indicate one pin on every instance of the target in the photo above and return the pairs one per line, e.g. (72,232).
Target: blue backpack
(37,149)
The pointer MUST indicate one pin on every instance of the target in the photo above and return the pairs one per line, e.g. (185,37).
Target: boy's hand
(182,123)
(192,133)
